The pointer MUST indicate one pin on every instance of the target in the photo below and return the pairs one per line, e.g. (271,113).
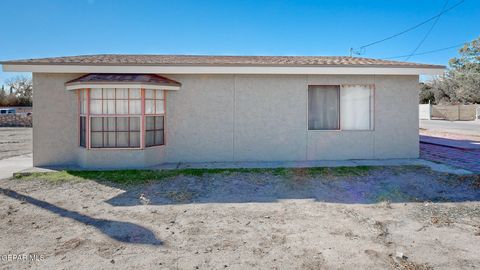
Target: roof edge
(413,65)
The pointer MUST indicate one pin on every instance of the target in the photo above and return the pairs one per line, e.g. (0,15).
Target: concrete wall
(15,120)
(455,112)
(236,118)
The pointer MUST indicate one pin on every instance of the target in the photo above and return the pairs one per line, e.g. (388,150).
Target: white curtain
(122,106)
(135,107)
(323,107)
(122,93)
(159,109)
(159,94)
(135,93)
(150,106)
(356,107)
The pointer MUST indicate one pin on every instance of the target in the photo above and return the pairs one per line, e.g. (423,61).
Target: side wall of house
(236,118)
(55,123)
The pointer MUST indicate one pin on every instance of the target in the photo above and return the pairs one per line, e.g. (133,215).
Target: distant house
(118,111)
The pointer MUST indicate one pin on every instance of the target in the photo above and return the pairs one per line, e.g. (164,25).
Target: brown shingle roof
(204,60)
(123,78)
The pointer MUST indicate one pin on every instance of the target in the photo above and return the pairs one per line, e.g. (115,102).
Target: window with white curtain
(115,117)
(340,107)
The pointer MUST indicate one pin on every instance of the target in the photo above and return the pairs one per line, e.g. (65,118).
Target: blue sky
(45,28)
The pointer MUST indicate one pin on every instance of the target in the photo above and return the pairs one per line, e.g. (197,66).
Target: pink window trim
(142,116)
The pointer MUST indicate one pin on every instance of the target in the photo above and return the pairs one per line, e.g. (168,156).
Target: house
(118,111)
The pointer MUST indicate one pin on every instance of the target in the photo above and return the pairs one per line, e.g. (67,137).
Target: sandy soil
(15,142)
(392,218)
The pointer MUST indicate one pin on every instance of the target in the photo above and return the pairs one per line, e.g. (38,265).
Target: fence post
(429,110)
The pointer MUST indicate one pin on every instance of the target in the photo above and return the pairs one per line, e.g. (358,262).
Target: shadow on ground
(464,144)
(357,185)
(118,230)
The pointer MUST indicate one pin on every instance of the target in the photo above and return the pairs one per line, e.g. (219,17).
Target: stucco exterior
(234,118)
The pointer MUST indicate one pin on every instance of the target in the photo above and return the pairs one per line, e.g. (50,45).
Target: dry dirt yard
(343,218)
(15,141)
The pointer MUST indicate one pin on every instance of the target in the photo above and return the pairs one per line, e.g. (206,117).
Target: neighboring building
(118,111)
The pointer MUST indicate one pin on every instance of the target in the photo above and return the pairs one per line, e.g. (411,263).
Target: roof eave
(225,69)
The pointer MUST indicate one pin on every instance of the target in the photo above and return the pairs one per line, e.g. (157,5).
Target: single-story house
(118,111)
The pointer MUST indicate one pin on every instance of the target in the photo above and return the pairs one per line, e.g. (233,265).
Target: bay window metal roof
(113,80)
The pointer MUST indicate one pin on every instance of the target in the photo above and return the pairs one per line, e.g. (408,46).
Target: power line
(413,27)
(428,32)
(427,52)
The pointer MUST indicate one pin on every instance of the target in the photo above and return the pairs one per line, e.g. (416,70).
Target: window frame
(155,114)
(372,107)
(88,118)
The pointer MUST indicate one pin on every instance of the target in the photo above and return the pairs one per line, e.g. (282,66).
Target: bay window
(121,117)
(340,107)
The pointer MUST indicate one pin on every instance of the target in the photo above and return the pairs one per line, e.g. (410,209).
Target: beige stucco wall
(235,118)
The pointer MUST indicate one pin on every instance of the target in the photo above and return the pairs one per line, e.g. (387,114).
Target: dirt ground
(385,218)
(15,142)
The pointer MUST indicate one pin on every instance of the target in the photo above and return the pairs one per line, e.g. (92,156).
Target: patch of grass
(341,171)
(128,177)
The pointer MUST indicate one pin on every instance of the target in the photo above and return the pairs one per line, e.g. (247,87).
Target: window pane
(122,123)
(150,138)
(82,131)
(109,93)
(97,123)
(96,93)
(159,94)
(122,93)
(83,109)
(122,106)
(150,122)
(159,137)
(95,106)
(83,103)
(159,122)
(323,107)
(135,93)
(149,106)
(109,139)
(96,139)
(134,139)
(108,106)
(355,107)
(122,139)
(159,107)
(109,124)
(134,123)
(135,107)
(149,93)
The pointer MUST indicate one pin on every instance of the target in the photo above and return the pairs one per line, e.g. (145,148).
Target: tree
(21,88)
(461,83)
(427,95)
(3,96)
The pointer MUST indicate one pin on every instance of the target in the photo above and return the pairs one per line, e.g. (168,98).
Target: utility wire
(428,32)
(427,52)
(413,27)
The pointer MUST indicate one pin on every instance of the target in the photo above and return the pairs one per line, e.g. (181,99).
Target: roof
(109,80)
(123,78)
(208,60)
